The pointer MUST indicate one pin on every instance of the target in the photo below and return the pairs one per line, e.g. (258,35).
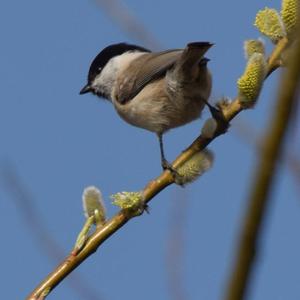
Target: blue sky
(58,142)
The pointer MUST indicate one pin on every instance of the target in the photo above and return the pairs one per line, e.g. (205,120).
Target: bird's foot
(167,166)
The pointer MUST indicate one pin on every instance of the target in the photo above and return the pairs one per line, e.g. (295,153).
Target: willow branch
(149,192)
(128,22)
(264,179)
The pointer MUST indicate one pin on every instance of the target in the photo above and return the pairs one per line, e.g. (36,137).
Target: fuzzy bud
(209,128)
(128,200)
(290,14)
(269,23)
(251,82)
(192,169)
(254,46)
(93,204)
(223,103)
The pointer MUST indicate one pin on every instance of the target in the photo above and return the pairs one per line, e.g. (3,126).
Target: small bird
(156,91)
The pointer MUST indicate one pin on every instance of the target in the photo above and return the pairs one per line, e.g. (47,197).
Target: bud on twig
(93,204)
(131,201)
(192,169)
(290,15)
(250,84)
(269,23)
(254,46)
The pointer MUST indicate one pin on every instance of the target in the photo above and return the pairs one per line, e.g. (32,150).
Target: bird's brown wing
(143,70)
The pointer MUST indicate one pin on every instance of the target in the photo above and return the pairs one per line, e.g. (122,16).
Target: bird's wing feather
(143,70)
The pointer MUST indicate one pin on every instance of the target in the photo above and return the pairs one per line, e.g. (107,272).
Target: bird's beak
(85,89)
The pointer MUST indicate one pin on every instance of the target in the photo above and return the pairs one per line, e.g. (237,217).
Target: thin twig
(150,191)
(128,22)
(264,180)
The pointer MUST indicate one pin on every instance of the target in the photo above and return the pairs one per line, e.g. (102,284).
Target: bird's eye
(99,69)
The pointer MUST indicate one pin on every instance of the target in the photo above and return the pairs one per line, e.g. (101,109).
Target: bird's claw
(167,166)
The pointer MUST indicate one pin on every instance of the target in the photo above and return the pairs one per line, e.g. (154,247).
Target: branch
(264,179)
(128,22)
(150,191)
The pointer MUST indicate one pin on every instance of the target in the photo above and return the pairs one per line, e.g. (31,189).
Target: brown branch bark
(264,179)
(149,192)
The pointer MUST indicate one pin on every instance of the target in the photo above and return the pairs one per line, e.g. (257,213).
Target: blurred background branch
(25,204)
(247,134)
(129,23)
(176,244)
(264,179)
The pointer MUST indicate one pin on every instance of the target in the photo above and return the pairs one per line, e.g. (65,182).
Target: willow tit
(156,91)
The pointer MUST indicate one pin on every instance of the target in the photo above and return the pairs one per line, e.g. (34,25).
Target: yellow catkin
(254,46)
(289,15)
(198,164)
(93,204)
(127,200)
(269,23)
(250,83)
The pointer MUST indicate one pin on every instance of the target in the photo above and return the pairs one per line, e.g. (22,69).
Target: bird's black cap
(102,59)
(107,53)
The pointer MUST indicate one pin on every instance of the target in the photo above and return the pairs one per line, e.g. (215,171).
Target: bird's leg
(215,112)
(164,163)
